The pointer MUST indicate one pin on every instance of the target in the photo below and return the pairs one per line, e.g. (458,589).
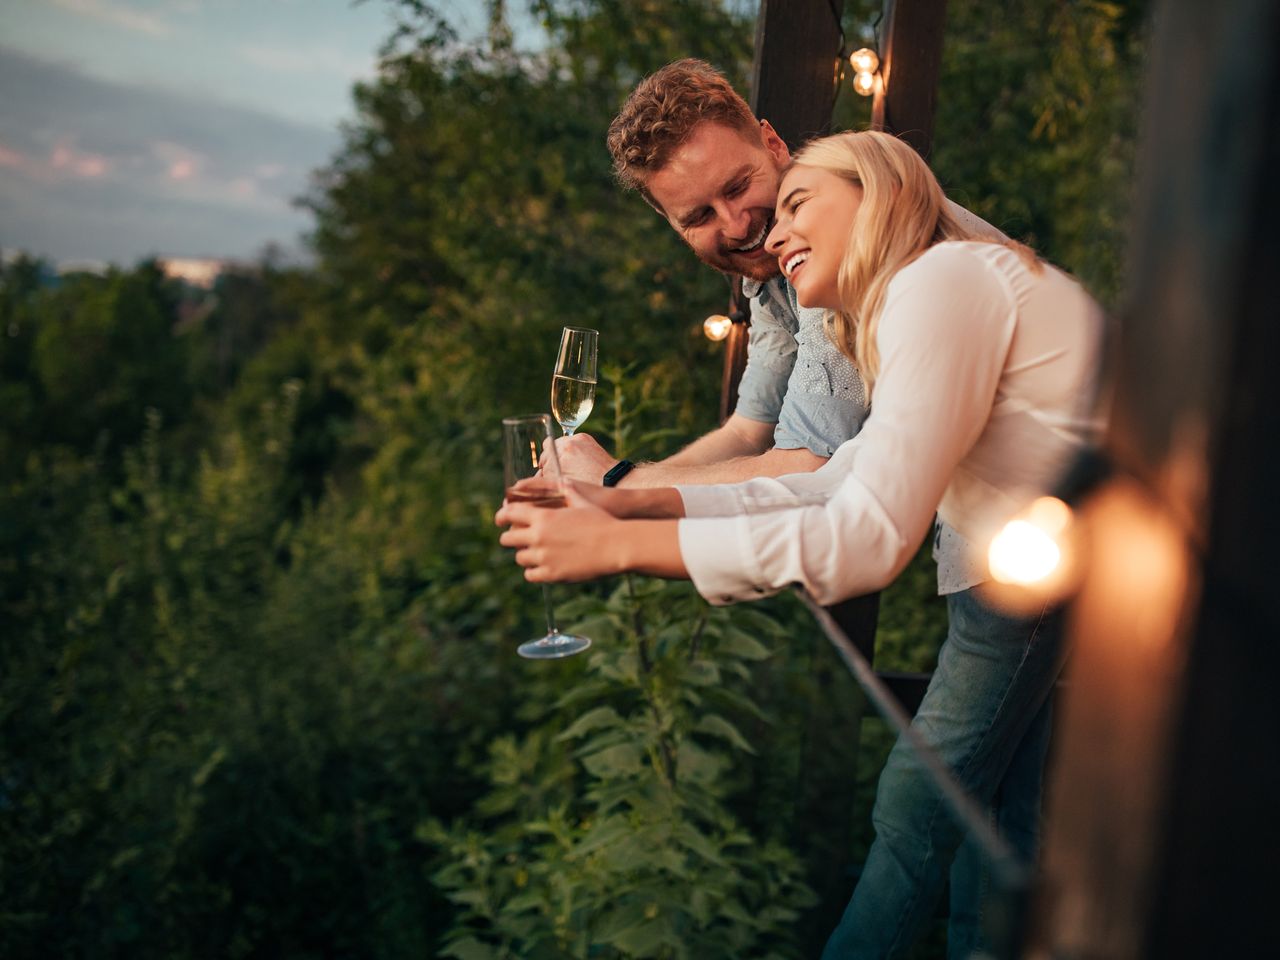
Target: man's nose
(776,239)
(737,221)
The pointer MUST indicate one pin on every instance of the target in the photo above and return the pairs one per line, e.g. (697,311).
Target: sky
(176,128)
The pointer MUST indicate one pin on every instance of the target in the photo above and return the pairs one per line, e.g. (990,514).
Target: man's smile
(756,242)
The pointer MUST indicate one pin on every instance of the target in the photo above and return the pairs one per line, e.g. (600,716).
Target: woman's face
(811,230)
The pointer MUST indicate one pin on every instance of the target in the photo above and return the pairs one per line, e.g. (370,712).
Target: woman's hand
(578,541)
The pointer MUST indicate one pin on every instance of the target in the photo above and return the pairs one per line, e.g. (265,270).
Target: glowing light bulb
(717,326)
(864,60)
(864,83)
(1031,547)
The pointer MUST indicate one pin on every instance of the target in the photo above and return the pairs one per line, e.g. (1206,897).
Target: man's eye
(698,219)
(736,188)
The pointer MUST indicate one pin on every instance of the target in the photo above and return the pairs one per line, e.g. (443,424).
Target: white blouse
(986,391)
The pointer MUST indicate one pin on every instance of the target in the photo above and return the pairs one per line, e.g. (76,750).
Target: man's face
(718,191)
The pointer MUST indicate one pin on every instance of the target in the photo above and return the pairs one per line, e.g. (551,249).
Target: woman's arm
(943,337)
(944,334)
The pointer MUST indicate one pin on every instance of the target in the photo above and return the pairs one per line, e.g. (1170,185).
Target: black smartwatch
(617,472)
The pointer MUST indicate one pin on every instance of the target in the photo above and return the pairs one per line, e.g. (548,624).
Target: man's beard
(752,267)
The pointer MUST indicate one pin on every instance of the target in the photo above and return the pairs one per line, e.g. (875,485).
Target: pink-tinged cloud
(179,162)
(68,159)
(118,14)
(11,158)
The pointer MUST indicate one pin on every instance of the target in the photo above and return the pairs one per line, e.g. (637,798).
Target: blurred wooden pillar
(905,101)
(1161,840)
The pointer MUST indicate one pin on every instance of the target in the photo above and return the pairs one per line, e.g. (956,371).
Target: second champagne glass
(573,385)
(530,478)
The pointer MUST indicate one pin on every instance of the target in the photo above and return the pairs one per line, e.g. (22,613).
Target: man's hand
(583,459)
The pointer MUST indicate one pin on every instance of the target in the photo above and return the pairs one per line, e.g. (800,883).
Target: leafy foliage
(258,695)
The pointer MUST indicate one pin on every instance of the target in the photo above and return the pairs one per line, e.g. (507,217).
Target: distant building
(199,272)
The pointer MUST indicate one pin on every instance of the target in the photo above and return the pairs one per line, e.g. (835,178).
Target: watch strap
(617,472)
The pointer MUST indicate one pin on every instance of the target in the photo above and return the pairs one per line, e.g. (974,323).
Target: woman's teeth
(792,262)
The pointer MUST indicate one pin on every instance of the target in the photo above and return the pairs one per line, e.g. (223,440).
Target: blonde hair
(903,213)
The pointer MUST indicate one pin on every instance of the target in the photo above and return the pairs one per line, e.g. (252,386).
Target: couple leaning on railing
(905,360)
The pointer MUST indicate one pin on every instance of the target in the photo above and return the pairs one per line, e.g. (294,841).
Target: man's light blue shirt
(795,376)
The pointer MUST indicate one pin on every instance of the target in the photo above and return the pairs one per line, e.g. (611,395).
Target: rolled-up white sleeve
(850,527)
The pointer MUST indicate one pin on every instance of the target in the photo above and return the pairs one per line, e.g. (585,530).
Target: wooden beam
(1160,839)
(910,62)
(793,80)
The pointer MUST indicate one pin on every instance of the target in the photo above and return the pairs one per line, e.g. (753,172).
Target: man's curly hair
(662,113)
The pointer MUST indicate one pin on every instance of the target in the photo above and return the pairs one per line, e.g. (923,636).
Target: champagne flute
(526,482)
(573,385)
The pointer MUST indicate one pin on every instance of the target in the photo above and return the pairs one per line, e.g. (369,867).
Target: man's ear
(776,146)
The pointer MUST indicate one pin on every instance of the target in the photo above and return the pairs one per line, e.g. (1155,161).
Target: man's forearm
(772,463)
(736,437)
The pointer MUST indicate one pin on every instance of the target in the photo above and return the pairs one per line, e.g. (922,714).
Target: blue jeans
(987,713)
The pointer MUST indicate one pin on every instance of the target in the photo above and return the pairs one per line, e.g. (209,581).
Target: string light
(1030,549)
(865,63)
(864,60)
(717,326)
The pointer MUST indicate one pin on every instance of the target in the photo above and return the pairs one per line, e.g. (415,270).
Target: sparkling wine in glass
(573,386)
(524,440)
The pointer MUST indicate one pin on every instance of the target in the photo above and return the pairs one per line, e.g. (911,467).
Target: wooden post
(1160,840)
(735,348)
(793,80)
(905,100)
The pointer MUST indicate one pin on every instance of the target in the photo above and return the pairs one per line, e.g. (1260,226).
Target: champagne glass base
(553,646)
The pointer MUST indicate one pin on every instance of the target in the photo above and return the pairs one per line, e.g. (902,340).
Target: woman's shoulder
(956,264)
(966,255)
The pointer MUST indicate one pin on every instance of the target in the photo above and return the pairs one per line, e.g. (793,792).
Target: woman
(980,361)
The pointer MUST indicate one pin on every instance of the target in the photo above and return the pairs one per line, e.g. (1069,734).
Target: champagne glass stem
(552,629)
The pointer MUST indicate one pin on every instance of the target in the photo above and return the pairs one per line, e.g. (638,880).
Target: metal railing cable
(1007,868)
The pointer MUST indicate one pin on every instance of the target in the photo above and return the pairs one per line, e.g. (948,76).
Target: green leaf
(696,765)
(644,940)
(741,644)
(469,948)
(717,726)
(622,760)
(599,718)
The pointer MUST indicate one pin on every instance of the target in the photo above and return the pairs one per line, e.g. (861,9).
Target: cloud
(321,60)
(94,169)
(117,14)
(11,158)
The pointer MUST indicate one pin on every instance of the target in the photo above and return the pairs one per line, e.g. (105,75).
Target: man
(689,144)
